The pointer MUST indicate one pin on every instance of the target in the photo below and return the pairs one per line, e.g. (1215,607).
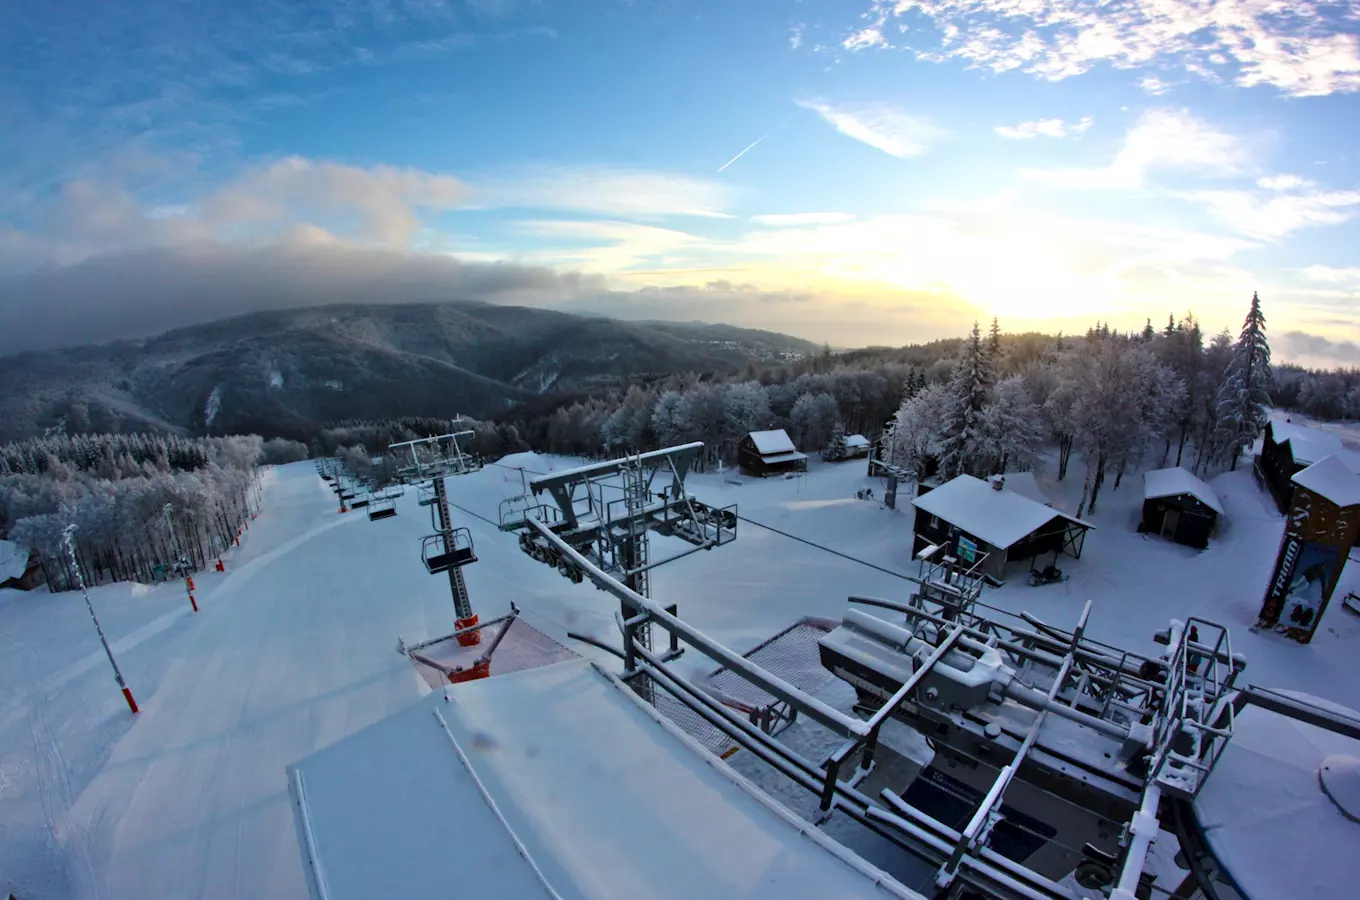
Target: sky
(859,172)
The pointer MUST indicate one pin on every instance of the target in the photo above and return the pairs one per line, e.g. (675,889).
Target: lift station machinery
(606,510)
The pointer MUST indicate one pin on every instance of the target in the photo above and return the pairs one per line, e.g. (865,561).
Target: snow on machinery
(605,511)
(1057,759)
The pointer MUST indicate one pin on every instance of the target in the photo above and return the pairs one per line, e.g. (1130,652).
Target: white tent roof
(998,517)
(1176,481)
(776,441)
(856,440)
(1333,479)
(13,560)
(552,782)
(1022,483)
(1265,815)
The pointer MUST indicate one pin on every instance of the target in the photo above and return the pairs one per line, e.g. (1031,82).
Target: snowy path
(293,650)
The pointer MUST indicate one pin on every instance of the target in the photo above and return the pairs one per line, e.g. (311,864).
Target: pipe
(1145,827)
(819,711)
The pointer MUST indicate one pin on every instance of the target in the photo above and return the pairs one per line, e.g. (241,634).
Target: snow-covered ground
(295,648)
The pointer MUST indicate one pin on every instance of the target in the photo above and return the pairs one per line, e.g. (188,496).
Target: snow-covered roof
(551,782)
(1330,477)
(1177,481)
(1264,813)
(1022,483)
(855,441)
(790,456)
(13,560)
(776,441)
(1307,444)
(998,517)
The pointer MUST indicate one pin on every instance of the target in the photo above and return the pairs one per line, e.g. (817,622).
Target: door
(1169,523)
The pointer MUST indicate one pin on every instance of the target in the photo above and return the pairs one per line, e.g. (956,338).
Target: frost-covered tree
(629,427)
(665,419)
(746,408)
(813,417)
(835,446)
(913,437)
(961,440)
(1244,398)
(1011,427)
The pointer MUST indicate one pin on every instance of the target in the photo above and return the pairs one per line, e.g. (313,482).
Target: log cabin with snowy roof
(765,453)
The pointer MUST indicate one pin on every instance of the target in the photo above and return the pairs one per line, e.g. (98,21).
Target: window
(934,521)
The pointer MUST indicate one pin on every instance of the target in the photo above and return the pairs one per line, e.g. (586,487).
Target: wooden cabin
(995,526)
(1179,507)
(765,453)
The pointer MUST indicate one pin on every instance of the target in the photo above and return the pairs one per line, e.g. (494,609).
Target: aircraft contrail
(744,152)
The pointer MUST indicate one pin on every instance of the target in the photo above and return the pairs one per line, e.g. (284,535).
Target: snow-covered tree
(1011,427)
(913,438)
(746,408)
(835,446)
(813,417)
(1244,398)
(961,440)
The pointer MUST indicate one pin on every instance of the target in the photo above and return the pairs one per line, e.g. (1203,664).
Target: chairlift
(382,508)
(425,495)
(440,556)
(361,502)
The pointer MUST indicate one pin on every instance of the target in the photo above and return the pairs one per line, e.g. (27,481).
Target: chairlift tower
(448,548)
(606,511)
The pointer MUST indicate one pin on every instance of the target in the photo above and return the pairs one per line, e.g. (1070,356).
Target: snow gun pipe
(843,725)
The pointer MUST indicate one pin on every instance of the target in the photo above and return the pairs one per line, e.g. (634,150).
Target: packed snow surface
(1331,478)
(1177,481)
(294,650)
(604,801)
(13,560)
(1266,817)
(777,441)
(999,517)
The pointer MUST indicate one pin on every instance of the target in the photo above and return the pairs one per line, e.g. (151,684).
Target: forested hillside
(290,373)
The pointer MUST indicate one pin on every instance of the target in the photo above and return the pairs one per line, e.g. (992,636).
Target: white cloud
(607,191)
(796,36)
(879,125)
(1154,85)
(1283,182)
(383,201)
(1054,128)
(604,246)
(1272,216)
(797,219)
(868,37)
(1332,275)
(1161,139)
(1300,47)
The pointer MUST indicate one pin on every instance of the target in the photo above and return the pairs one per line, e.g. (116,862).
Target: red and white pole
(80,580)
(189,586)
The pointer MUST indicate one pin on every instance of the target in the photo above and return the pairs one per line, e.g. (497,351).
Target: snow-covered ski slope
(295,648)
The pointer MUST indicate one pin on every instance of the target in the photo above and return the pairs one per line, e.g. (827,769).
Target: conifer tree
(1244,397)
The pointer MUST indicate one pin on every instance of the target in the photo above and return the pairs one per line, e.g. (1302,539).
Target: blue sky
(859,172)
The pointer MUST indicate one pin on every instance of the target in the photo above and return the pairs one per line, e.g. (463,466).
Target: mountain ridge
(287,372)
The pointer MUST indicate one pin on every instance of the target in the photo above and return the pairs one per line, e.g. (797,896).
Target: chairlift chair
(382,508)
(440,557)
